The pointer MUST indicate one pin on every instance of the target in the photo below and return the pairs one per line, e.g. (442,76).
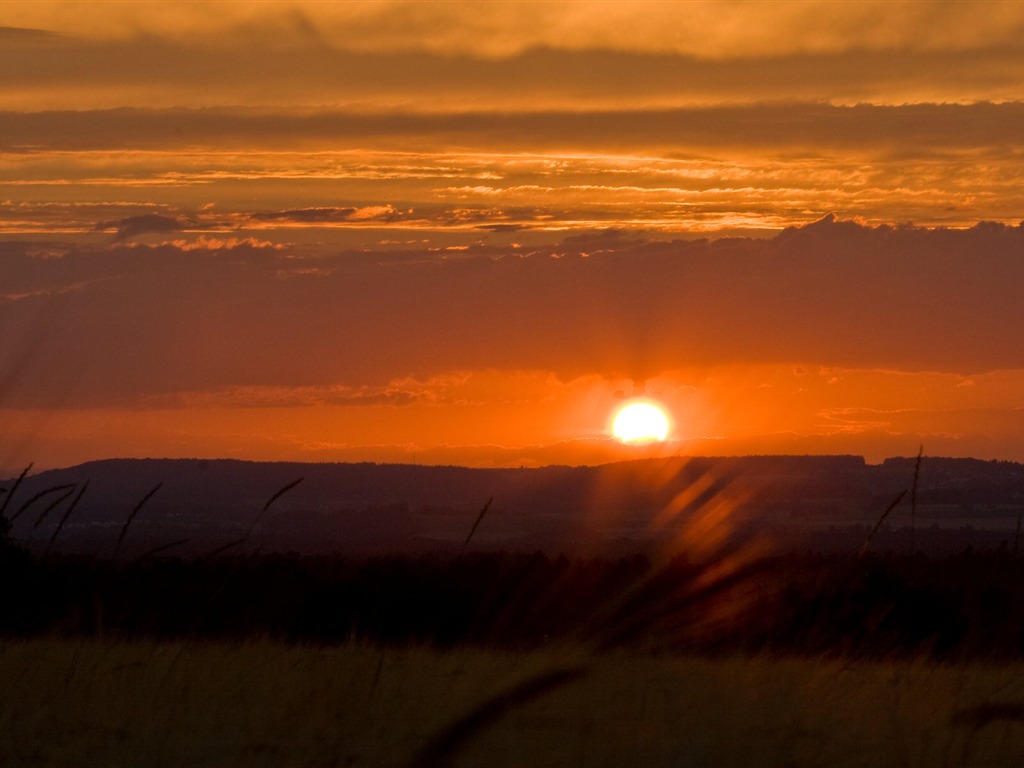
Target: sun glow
(640,422)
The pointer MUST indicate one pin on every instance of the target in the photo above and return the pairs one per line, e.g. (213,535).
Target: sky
(465,233)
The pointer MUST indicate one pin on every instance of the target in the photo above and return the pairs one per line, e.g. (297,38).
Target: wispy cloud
(695,170)
(332,215)
(146,223)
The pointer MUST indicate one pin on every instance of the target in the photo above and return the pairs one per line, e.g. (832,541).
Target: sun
(640,421)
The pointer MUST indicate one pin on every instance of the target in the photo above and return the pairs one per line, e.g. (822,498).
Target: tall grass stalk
(131,517)
(215,593)
(67,514)
(219,550)
(259,518)
(885,514)
(42,494)
(476,524)
(53,505)
(444,747)
(14,489)
(160,548)
(913,500)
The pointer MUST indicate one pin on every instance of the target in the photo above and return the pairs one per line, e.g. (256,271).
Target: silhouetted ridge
(817,501)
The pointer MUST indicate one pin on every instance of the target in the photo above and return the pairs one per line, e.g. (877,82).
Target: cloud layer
(709,28)
(696,170)
(127,323)
(453,56)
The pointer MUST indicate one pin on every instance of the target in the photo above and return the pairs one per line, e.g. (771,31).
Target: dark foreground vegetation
(718,586)
(722,652)
(969,605)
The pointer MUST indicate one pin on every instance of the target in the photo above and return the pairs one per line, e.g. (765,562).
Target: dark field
(513,660)
(964,606)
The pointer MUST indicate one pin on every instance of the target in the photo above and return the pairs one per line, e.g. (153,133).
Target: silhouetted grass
(131,517)
(913,499)
(67,514)
(895,502)
(13,490)
(443,747)
(38,496)
(476,523)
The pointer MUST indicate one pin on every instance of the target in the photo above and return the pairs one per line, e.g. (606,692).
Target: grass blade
(441,750)
(280,493)
(37,497)
(881,520)
(53,505)
(159,549)
(913,499)
(128,522)
(271,500)
(67,514)
(224,548)
(14,489)
(477,523)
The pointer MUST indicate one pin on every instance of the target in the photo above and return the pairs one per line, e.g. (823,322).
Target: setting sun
(640,422)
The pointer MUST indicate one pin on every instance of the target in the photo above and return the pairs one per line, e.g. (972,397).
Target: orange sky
(463,233)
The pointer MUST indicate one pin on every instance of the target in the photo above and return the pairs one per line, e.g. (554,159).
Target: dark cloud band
(132,321)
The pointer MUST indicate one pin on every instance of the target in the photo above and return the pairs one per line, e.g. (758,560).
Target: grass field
(260,703)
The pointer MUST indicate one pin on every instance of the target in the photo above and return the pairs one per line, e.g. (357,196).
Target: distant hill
(825,502)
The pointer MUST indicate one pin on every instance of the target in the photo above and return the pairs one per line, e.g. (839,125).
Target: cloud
(680,169)
(329,215)
(912,130)
(503,227)
(208,70)
(143,224)
(293,397)
(501,29)
(993,423)
(25,35)
(206,243)
(145,321)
